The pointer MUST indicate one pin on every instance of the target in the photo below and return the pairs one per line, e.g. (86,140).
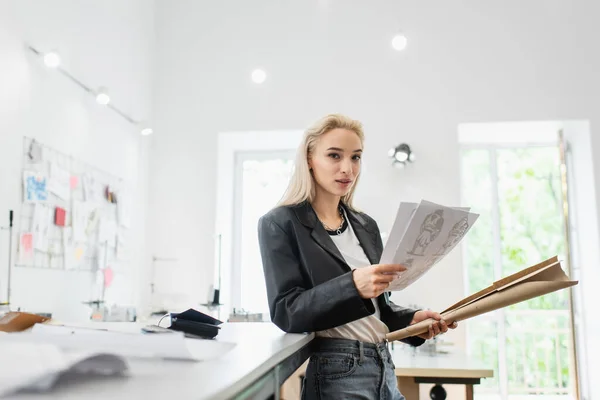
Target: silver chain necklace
(338,230)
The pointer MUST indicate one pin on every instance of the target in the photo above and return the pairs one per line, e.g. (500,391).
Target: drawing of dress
(408,262)
(430,229)
(454,236)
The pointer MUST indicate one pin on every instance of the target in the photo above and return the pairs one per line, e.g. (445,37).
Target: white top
(367,329)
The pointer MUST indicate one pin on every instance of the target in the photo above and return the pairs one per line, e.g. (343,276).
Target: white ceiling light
(259,76)
(102,97)
(52,59)
(399,42)
(147,131)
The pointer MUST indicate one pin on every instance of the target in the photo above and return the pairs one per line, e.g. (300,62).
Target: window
(517,191)
(260,180)
(253,169)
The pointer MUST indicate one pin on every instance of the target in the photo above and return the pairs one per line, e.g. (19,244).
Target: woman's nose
(346,166)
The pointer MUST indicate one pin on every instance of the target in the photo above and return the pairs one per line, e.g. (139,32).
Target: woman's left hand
(437,327)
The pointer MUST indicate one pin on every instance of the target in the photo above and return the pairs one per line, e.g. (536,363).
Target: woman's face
(335,161)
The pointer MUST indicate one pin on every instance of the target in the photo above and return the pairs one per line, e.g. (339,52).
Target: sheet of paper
(26,248)
(92,190)
(403,215)
(431,232)
(124,208)
(80,218)
(37,366)
(40,226)
(107,232)
(126,344)
(68,249)
(59,182)
(35,187)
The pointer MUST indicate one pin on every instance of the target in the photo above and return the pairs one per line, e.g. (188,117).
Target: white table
(255,368)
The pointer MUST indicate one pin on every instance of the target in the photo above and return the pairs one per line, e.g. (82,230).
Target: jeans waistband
(356,347)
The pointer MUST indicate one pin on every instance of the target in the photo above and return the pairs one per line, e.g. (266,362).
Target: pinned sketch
(26,248)
(79,252)
(35,152)
(79,220)
(430,229)
(59,182)
(40,226)
(92,190)
(121,249)
(124,208)
(454,236)
(35,186)
(107,232)
(93,219)
(108,275)
(68,249)
(423,228)
(74,182)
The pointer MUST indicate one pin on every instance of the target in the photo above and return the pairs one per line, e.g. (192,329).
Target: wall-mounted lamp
(401,155)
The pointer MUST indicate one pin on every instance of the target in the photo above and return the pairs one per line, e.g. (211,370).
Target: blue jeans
(349,369)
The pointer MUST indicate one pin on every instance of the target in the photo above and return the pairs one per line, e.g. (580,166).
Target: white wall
(102,44)
(465,62)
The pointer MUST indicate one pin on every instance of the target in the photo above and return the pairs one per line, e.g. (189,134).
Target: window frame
(499,316)
(228,144)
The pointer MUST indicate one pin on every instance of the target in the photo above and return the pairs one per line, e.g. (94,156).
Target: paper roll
(548,279)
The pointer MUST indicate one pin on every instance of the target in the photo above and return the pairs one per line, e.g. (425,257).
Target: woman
(320,259)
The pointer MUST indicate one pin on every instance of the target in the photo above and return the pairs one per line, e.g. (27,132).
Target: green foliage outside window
(529,211)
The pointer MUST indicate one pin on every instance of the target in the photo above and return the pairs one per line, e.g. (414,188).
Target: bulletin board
(73,216)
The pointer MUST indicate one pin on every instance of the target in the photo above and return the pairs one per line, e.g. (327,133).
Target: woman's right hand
(373,280)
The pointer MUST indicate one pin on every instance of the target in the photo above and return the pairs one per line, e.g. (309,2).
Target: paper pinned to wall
(59,182)
(26,248)
(124,208)
(40,226)
(35,187)
(107,232)
(34,153)
(69,261)
(79,219)
(92,189)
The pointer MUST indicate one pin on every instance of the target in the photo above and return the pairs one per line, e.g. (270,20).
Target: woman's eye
(334,155)
(356,158)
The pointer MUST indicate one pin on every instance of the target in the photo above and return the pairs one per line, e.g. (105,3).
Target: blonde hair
(302,184)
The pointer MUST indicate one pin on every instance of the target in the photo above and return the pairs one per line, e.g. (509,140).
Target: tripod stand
(10,235)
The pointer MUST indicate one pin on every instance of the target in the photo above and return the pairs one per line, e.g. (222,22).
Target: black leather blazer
(309,284)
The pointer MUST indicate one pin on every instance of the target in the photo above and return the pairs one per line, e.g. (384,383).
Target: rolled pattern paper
(544,278)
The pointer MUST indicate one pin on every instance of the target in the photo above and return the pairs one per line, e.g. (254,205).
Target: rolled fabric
(544,278)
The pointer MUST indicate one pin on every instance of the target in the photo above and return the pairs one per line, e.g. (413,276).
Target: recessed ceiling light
(399,42)
(259,76)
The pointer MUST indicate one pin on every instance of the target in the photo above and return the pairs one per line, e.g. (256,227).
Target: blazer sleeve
(294,307)
(403,317)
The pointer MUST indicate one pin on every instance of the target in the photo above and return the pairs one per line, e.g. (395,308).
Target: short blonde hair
(302,184)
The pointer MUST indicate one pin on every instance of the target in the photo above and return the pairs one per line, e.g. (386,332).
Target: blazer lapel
(364,236)
(307,217)
(367,239)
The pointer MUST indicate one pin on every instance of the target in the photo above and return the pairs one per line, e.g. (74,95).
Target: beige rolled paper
(544,278)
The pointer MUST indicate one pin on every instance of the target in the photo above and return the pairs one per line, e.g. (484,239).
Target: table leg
(469,390)
(408,387)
